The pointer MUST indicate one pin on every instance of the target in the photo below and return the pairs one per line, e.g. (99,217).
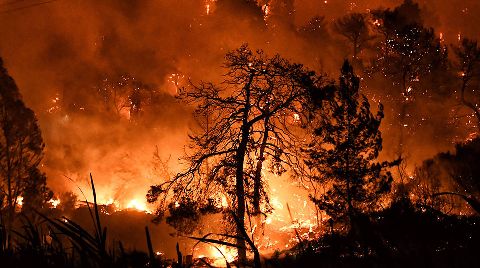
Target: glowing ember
(221,253)
(266,11)
(296,118)
(54,202)
(137,205)
(176,80)
(208,6)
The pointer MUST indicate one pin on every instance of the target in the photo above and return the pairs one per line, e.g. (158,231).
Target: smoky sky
(61,49)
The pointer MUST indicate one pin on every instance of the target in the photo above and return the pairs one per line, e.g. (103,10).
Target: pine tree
(355,29)
(342,154)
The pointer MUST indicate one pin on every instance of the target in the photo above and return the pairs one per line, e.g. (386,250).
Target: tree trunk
(10,205)
(258,169)
(468,104)
(239,172)
(240,195)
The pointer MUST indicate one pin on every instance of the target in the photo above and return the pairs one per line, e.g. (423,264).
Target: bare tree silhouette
(252,118)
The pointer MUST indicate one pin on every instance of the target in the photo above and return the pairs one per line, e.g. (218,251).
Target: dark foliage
(355,29)
(342,155)
(21,151)
(404,235)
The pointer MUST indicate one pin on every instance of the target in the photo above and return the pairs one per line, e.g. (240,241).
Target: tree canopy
(246,130)
(21,151)
(343,151)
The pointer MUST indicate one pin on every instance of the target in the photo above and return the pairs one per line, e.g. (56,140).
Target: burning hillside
(261,129)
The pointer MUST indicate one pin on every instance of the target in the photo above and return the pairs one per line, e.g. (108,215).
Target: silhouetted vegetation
(21,150)
(345,145)
(269,116)
(245,124)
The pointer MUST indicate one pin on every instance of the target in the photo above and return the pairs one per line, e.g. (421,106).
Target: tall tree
(355,29)
(251,117)
(21,150)
(343,151)
(468,57)
(409,53)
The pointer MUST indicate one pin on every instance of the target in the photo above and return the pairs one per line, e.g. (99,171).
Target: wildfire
(138,205)
(266,11)
(296,118)
(221,253)
(208,6)
(55,105)
(54,202)
(176,79)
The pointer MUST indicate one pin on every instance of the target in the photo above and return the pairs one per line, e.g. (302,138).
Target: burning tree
(468,55)
(246,122)
(355,29)
(346,142)
(21,148)
(408,54)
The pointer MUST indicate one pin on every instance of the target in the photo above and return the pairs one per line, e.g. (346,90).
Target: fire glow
(120,117)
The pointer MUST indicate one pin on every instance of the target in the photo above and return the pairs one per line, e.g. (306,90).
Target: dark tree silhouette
(21,148)
(459,173)
(343,152)
(355,29)
(247,122)
(409,53)
(468,57)
(36,193)
(389,22)
(425,183)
